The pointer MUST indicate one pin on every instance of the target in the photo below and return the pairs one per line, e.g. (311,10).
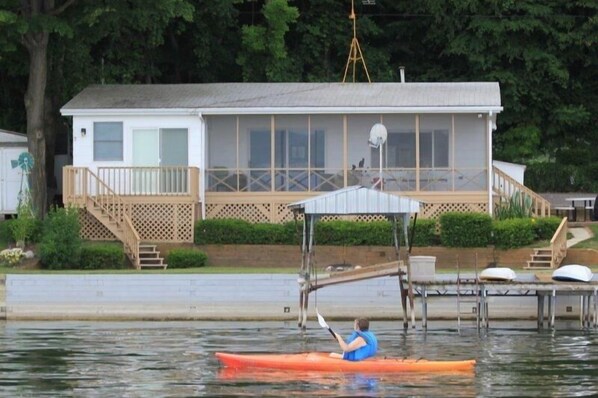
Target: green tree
(264,55)
(113,27)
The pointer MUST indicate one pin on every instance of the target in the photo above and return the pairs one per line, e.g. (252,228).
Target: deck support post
(540,297)
(397,245)
(424,307)
(552,308)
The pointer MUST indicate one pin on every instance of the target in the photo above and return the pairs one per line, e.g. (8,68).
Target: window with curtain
(107,141)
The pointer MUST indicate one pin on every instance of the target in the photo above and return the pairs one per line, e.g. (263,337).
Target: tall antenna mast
(355,53)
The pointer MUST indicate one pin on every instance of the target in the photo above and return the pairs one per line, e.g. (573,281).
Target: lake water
(168,359)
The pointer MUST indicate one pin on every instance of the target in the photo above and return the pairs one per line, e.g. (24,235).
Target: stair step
(151,260)
(163,266)
(538,262)
(149,254)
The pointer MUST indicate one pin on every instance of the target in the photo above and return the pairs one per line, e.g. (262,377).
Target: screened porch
(320,153)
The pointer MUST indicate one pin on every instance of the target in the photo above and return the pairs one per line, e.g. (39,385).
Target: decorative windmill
(25,163)
(355,54)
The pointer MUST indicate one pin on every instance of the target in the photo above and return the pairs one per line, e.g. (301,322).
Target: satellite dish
(378,135)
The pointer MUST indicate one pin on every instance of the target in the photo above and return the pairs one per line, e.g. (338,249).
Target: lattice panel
(283,213)
(252,212)
(154,222)
(434,210)
(260,212)
(92,229)
(163,222)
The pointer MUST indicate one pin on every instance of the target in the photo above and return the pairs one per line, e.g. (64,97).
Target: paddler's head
(362,324)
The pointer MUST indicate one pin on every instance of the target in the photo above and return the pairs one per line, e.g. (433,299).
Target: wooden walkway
(366,272)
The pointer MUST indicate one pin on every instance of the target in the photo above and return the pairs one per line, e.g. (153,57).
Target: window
(291,149)
(434,149)
(108,141)
(399,151)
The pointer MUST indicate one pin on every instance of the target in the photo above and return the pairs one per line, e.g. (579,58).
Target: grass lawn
(590,243)
(201,270)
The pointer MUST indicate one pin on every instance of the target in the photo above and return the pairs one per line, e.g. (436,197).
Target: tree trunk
(37,46)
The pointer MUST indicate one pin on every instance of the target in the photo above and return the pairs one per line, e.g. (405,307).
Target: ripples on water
(162,359)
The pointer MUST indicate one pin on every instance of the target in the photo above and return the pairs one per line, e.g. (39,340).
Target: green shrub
(60,247)
(5,233)
(24,226)
(545,227)
(425,233)
(515,232)
(519,205)
(102,256)
(353,233)
(230,231)
(465,229)
(186,258)
(337,232)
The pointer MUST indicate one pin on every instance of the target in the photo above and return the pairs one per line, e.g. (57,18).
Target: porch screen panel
(398,153)
(255,158)
(174,159)
(470,153)
(291,153)
(326,152)
(434,139)
(359,151)
(223,174)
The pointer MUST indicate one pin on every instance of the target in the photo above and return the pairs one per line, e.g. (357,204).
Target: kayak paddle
(323,324)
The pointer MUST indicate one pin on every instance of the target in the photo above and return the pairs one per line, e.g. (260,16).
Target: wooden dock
(544,288)
(539,285)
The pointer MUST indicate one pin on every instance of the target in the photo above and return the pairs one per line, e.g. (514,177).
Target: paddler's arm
(352,346)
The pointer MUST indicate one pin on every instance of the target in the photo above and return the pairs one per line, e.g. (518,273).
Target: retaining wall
(226,297)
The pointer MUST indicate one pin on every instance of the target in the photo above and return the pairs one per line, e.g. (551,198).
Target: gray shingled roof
(286,95)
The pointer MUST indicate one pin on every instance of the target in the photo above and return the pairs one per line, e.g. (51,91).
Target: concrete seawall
(225,297)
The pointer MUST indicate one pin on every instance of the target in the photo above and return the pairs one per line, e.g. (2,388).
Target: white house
(247,150)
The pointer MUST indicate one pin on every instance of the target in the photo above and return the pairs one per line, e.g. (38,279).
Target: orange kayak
(321,361)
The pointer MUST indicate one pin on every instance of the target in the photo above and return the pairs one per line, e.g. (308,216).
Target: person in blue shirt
(361,344)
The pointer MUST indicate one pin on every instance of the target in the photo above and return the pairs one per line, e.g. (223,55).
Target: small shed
(353,200)
(12,144)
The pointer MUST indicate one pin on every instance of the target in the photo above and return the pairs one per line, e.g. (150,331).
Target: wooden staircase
(541,259)
(110,210)
(551,257)
(149,257)
(505,187)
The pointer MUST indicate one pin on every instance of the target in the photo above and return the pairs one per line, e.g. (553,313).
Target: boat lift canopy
(354,200)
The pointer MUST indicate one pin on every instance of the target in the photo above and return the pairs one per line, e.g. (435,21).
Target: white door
(146,160)
(154,148)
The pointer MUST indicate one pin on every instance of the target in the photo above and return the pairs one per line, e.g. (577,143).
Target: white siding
(83,145)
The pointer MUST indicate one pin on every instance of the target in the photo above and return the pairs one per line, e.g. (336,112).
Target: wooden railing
(558,244)
(506,187)
(83,187)
(152,181)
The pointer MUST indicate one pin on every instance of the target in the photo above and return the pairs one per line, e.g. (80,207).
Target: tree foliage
(544,54)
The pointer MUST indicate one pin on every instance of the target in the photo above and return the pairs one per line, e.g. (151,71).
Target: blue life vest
(368,350)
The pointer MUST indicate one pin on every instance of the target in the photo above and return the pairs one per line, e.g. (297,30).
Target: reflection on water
(134,359)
